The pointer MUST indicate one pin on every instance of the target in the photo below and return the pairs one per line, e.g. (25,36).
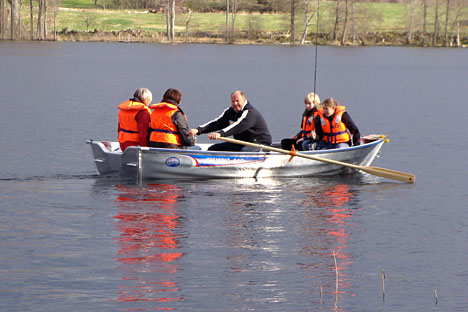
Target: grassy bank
(374,24)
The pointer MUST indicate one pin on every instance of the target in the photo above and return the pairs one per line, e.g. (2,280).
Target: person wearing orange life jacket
(134,119)
(334,127)
(169,126)
(304,138)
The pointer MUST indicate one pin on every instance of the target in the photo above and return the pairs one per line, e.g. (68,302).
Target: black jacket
(247,125)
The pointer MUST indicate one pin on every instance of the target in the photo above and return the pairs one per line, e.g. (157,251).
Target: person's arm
(143,120)
(215,124)
(183,130)
(318,128)
(352,128)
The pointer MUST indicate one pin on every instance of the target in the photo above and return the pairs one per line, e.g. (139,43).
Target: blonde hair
(330,102)
(312,98)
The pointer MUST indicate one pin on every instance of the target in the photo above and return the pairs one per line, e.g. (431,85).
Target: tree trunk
(337,11)
(345,24)
(307,20)
(446,24)
(436,24)
(14,20)
(424,16)
(233,18)
(227,21)
(31,23)
(2,18)
(39,21)
(55,22)
(173,13)
(45,20)
(168,33)
(187,22)
(352,22)
(409,20)
(293,13)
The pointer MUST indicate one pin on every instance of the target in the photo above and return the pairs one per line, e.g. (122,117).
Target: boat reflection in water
(327,222)
(148,243)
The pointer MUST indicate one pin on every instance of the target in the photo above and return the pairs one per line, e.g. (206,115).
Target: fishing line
(316,48)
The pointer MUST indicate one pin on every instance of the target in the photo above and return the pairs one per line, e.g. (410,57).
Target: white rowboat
(158,163)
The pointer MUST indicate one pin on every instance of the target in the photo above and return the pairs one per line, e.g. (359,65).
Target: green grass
(76,15)
(78,4)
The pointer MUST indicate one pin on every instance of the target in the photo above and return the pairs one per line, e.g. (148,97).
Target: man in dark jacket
(242,121)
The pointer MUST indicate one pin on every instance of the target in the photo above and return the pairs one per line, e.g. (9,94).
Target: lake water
(71,240)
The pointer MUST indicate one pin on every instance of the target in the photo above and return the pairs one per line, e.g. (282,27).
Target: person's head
(329,106)
(174,95)
(238,100)
(143,95)
(311,100)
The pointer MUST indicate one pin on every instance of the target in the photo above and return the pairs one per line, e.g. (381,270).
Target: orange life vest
(127,122)
(308,124)
(163,129)
(337,131)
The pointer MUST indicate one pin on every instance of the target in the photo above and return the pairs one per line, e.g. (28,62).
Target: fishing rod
(316,49)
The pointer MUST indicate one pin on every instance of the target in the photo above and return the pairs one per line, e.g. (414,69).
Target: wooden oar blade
(389,174)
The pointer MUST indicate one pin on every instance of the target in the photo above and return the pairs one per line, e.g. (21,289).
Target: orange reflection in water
(148,244)
(327,224)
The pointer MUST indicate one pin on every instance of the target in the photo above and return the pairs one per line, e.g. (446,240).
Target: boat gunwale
(232,153)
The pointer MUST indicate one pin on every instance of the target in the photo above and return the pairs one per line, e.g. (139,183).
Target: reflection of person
(334,126)
(134,118)
(169,127)
(148,221)
(242,121)
(304,138)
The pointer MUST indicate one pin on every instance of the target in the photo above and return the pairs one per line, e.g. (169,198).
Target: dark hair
(173,94)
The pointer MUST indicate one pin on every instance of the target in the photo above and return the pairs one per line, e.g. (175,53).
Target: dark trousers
(287,144)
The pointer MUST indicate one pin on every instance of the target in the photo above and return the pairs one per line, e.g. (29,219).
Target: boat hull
(158,163)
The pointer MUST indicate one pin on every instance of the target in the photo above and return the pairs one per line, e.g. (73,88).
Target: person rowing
(242,121)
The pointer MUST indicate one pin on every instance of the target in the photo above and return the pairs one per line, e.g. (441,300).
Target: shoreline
(130,36)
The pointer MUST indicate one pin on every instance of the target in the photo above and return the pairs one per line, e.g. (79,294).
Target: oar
(381,172)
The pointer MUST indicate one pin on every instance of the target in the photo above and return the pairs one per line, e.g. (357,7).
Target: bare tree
(352,22)
(173,13)
(308,19)
(293,15)
(167,20)
(345,24)
(227,20)
(2,18)
(14,19)
(234,9)
(41,29)
(89,20)
(188,18)
(44,22)
(55,4)
(424,16)
(31,22)
(436,24)
(409,20)
(337,19)
(446,23)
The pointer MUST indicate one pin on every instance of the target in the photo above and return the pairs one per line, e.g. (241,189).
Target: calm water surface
(71,240)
